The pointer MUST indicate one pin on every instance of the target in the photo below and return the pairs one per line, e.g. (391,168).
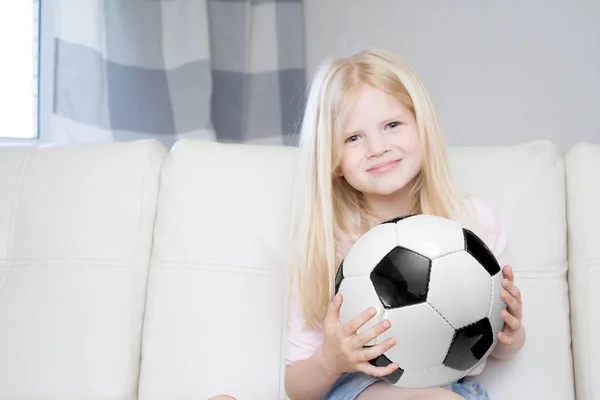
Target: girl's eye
(393,125)
(352,138)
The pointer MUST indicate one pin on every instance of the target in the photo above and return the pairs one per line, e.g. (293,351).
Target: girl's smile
(382,168)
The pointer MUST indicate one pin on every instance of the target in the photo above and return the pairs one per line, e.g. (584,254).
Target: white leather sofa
(131,272)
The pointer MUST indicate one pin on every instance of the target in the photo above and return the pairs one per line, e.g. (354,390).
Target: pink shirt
(302,342)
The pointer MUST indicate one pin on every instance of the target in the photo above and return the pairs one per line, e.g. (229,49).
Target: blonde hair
(327,212)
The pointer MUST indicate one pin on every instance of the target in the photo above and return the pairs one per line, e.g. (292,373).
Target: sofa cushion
(214,318)
(75,239)
(524,184)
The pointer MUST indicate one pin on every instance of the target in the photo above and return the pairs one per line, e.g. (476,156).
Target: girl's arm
(309,379)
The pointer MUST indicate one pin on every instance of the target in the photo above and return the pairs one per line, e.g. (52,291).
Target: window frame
(45,76)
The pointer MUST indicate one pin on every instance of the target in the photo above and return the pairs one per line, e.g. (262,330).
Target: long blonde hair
(327,212)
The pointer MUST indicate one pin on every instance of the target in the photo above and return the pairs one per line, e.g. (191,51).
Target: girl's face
(381,153)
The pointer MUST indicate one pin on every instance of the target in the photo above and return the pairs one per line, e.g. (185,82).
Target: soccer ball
(438,284)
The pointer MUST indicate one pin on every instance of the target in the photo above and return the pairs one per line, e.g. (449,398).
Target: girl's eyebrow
(395,118)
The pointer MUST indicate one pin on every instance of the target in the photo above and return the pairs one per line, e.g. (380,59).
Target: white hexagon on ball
(415,233)
(422,336)
(460,289)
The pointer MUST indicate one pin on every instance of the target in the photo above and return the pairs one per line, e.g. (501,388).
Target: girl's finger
(355,323)
(505,339)
(508,273)
(371,352)
(372,370)
(361,339)
(513,305)
(512,288)
(511,321)
(333,311)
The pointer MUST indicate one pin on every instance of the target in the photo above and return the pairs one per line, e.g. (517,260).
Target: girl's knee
(436,394)
(222,397)
(383,390)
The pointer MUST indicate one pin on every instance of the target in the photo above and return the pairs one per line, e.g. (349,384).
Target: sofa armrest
(582,164)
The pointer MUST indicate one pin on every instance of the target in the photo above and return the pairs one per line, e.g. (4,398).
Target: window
(25,40)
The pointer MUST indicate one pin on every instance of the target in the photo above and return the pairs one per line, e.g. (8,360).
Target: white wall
(500,72)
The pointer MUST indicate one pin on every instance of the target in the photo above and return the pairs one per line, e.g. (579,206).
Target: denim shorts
(350,385)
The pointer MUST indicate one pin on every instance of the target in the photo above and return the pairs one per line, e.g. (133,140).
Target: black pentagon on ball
(383,361)
(479,250)
(401,278)
(469,345)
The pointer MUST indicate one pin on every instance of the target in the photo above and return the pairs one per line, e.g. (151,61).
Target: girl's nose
(378,145)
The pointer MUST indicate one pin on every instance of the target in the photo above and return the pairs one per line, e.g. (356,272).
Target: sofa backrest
(214,318)
(75,238)
(583,207)
(78,233)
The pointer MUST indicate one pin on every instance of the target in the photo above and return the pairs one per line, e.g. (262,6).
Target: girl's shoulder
(487,223)
(480,211)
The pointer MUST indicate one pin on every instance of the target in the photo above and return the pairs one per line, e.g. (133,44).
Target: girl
(370,150)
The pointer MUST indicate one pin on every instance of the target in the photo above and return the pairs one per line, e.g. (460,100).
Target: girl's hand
(342,349)
(514,312)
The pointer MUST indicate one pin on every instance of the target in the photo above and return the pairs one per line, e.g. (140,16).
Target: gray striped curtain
(225,70)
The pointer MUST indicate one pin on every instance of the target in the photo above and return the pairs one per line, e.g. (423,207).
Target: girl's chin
(383,192)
